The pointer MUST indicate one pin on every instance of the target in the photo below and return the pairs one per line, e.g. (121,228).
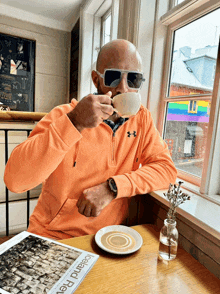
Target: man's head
(117,54)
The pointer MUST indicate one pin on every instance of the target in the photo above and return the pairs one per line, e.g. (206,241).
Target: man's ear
(95,78)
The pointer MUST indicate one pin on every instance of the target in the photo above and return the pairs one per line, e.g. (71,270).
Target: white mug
(127,104)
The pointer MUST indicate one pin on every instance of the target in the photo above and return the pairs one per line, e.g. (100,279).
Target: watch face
(113,186)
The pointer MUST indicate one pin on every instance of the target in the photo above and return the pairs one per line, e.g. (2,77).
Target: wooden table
(142,272)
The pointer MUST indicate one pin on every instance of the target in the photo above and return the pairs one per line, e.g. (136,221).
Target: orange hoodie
(67,162)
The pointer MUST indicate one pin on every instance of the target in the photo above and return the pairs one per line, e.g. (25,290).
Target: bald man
(90,160)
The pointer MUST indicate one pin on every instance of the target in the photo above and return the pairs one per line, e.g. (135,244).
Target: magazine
(31,264)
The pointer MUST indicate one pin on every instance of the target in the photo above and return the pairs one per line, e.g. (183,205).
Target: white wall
(17,216)
(145,43)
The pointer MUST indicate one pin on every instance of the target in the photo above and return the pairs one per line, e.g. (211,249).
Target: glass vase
(168,240)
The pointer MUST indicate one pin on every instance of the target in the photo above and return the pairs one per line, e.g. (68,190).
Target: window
(189,92)
(192,106)
(93,15)
(106,28)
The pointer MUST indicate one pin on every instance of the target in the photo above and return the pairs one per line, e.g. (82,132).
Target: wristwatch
(112,186)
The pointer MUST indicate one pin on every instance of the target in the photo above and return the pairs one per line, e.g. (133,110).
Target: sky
(200,33)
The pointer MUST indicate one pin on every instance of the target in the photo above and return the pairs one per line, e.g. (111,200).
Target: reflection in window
(193,67)
(186,134)
(194,56)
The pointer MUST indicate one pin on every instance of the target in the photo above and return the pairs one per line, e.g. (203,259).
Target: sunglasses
(112,78)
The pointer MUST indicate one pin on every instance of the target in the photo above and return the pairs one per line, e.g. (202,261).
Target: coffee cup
(127,104)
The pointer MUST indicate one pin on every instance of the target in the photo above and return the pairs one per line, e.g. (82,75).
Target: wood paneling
(199,255)
(140,210)
(132,219)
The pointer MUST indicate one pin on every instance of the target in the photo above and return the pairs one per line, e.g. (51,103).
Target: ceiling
(59,14)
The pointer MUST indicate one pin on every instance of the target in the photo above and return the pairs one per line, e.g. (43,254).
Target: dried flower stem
(175,197)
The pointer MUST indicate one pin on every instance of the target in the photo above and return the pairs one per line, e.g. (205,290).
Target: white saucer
(118,239)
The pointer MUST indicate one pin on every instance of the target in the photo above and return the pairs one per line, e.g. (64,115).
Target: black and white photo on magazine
(34,264)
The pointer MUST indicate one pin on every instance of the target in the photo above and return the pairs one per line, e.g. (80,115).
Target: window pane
(194,56)
(107,30)
(186,134)
(179,1)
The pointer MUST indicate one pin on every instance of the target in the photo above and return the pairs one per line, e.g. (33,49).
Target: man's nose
(122,86)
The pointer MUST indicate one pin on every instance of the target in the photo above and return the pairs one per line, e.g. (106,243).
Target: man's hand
(91,111)
(94,199)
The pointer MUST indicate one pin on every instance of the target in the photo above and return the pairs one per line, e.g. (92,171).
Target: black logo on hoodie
(132,134)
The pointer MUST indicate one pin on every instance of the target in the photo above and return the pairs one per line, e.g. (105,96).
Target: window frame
(103,19)
(191,106)
(100,16)
(91,12)
(177,11)
(205,181)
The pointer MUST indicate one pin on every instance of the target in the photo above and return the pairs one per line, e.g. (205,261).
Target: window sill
(199,211)
(191,188)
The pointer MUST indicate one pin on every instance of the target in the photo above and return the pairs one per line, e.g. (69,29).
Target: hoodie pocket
(65,213)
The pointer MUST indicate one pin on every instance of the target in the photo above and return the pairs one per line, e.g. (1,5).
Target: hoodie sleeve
(32,161)
(157,169)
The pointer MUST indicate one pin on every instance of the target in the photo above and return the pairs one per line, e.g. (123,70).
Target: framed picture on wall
(17,73)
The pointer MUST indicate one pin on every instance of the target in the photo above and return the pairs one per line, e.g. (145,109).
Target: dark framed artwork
(17,73)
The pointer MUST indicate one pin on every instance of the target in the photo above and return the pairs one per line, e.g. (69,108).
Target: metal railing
(6,189)
(16,116)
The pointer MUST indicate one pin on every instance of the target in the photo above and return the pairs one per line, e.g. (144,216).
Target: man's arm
(157,171)
(32,161)
(35,159)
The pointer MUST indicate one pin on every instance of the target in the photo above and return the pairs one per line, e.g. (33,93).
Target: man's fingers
(95,211)
(82,207)
(105,99)
(79,202)
(87,210)
(109,93)
(107,109)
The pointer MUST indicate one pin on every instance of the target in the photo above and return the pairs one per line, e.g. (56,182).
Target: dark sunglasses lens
(134,80)
(112,78)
